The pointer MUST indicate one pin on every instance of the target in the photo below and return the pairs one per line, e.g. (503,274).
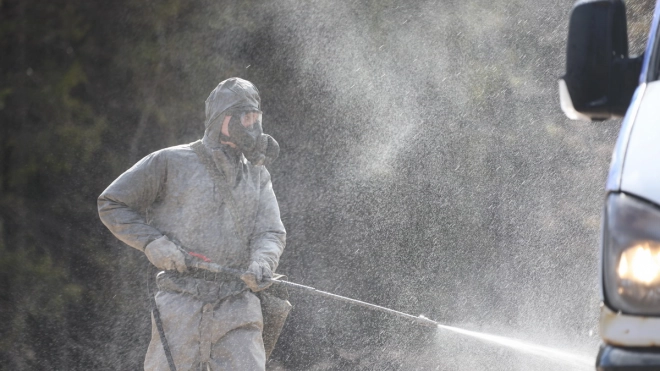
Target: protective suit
(207,198)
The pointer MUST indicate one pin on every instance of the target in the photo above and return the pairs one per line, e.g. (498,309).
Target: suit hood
(230,94)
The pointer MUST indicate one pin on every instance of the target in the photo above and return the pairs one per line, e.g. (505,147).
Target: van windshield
(653,73)
(639,18)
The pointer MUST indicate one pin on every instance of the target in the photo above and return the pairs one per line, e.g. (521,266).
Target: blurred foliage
(85,89)
(424,167)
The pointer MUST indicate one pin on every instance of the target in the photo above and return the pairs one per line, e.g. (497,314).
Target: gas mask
(245,132)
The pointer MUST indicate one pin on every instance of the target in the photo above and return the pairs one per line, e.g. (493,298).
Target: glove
(164,254)
(258,276)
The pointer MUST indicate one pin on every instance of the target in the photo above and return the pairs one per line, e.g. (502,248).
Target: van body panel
(618,155)
(641,165)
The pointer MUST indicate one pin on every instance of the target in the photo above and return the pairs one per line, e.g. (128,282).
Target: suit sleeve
(123,205)
(269,236)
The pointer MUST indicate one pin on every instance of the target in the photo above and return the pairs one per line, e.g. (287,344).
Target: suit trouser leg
(180,315)
(237,326)
(225,335)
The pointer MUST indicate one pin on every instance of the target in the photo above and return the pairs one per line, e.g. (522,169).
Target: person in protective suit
(212,197)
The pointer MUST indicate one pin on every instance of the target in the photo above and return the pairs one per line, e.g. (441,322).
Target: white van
(602,82)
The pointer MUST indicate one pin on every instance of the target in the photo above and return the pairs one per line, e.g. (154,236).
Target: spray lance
(199,261)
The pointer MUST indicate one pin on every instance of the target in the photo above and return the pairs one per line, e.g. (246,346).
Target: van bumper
(611,358)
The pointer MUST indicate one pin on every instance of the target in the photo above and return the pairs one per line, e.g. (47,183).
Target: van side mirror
(600,79)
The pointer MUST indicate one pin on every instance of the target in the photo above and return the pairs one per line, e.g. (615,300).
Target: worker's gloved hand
(164,254)
(258,276)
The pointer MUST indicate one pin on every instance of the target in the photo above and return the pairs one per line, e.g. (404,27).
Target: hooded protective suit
(210,322)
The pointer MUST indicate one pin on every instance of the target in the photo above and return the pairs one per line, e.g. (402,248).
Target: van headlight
(631,255)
